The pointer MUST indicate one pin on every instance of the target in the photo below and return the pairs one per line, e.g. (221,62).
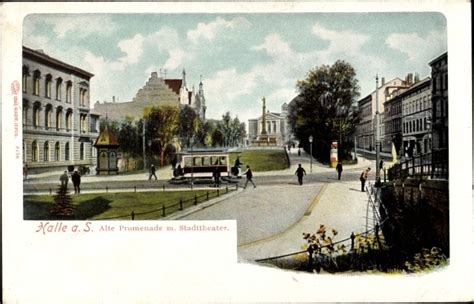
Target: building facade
(157,91)
(416,118)
(277,128)
(58,126)
(393,122)
(365,132)
(439,99)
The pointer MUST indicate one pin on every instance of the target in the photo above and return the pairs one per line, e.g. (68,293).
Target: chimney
(113,98)
(417,77)
(409,79)
(383,80)
(154,74)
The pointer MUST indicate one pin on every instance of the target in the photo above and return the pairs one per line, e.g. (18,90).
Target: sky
(241,57)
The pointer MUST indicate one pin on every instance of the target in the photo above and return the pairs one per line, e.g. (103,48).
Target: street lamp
(311,153)
(191,142)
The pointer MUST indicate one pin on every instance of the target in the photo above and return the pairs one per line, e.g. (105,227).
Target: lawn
(262,160)
(98,206)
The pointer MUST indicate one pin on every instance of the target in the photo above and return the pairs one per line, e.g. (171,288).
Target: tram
(201,163)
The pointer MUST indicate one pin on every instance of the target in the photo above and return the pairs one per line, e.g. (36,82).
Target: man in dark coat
(217,176)
(339,170)
(152,172)
(64,179)
(249,175)
(300,172)
(76,181)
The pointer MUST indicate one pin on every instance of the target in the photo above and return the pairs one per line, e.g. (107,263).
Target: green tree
(324,108)
(129,137)
(189,124)
(162,125)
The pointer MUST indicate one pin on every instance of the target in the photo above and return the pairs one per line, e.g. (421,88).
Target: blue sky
(241,57)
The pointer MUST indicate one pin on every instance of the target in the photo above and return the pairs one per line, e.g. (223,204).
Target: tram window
(197,161)
(206,161)
(223,160)
(187,162)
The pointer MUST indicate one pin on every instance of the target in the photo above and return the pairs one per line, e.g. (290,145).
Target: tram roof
(207,151)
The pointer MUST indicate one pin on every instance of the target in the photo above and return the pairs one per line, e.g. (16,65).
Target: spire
(183,84)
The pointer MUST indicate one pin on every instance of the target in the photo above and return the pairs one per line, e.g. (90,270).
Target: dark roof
(445,54)
(106,138)
(41,57)
(174,84)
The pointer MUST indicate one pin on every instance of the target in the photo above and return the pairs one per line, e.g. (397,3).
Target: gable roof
(106,138)
(174,84)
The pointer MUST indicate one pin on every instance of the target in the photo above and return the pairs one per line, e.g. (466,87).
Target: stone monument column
(264,124)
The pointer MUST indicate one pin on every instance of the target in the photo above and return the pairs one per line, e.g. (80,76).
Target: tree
(323,108)
(229,132)
(162,125)
(189,123)
(129,137)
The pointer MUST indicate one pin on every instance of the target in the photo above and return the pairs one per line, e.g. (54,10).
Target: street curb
(188,211)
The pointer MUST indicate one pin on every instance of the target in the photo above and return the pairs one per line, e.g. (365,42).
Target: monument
(264,139)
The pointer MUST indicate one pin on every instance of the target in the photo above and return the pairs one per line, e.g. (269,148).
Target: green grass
(262,160)
(99,206)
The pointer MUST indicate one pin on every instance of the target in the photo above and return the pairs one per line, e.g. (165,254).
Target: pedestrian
(25,172)
(299,152)
(249,175)
(152,172)
(363,179)
(339,170)
(216,174)
(76,181)
(300,172)
(381,166)
(64,179)
(237,167)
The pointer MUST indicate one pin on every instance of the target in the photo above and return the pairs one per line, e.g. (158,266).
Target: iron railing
(434,165)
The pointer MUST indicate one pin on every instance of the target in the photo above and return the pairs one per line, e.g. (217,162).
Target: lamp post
(377,131)
(311,153)
(191,142)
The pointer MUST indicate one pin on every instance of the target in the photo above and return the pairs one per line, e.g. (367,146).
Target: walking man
(217,176)
(64,179)
(363,179)
(76,181)
(339,170)
(300,172)
(152,172)
(249,175)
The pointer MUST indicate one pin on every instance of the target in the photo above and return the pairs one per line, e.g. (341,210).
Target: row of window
(57,152)
(415,125)
(419,104)
(48,81)
(48,113)
(393,126)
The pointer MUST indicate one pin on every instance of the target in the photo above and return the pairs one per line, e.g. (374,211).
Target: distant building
(277,128)
(365,131)
(58,125)
(439,99)
(416,118)
(157,91)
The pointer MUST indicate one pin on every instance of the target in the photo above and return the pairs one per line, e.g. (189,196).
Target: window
(69,91)
(47,83)
(81,151)
(82,97)
(25,112)
(69,120)
(36,82)
(47,117)
(24,79)
(36,114)
(34,151)
(57,151)
(59,83)
(46,151)
(59,118)
(66,151)
(83,123)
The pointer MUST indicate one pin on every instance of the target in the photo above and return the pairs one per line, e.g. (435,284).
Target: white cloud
(166,39)
(274,46)
(416,47)
(208,31)
(133,48)
(81,25)
(347,42)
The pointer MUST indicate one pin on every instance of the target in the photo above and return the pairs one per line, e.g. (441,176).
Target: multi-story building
(58,126)
(277,127)
(393,122)
(439,99)
(156,91)
(365,132)
(416,118)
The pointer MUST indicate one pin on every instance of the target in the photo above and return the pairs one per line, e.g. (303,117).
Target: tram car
(201,163)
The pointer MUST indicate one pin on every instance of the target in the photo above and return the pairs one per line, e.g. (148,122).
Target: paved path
(263,211)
